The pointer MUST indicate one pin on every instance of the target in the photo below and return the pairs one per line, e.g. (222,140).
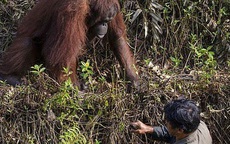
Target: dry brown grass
(37,112)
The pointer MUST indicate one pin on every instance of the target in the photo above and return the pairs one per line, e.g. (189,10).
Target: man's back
(200,136)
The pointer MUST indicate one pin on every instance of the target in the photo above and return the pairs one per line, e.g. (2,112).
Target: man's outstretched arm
(157,132)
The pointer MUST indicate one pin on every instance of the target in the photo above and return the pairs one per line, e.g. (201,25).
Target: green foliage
(206,20)
(4,1)
(67,72)
(195,35)
(87,72)
(86,69)
(97,142)
(176,61)
(203,59)
(67,95)
(72,135)
(66,104)
(37,69)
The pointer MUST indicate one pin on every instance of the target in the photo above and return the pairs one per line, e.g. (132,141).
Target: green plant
(97,142)
(176,61)
(67,93)
(86,69)
(65,103)
(87,72)
(203,59)
(38,76)
(72,135)
(4,1)
(37,69)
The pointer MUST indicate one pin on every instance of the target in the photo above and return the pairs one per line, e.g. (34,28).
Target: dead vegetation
(175,65)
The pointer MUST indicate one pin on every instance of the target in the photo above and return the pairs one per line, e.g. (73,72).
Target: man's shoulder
(203,134)
(200,136)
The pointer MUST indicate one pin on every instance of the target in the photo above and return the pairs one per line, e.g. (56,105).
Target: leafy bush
(181,47)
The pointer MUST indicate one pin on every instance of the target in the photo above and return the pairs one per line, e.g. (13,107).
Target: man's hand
(140,128)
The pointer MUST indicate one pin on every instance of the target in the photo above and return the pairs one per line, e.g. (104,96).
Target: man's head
(182,115)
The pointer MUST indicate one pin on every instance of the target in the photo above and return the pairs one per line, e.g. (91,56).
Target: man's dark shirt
(161,133)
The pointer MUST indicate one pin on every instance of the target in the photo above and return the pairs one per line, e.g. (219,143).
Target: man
(183,125)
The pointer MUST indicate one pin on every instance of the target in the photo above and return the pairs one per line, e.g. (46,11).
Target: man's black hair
(183,114)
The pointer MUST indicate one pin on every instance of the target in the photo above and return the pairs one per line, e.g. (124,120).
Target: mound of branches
(42,111)
(182,49)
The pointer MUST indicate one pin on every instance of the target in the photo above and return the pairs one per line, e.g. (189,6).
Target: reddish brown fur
(55,32)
